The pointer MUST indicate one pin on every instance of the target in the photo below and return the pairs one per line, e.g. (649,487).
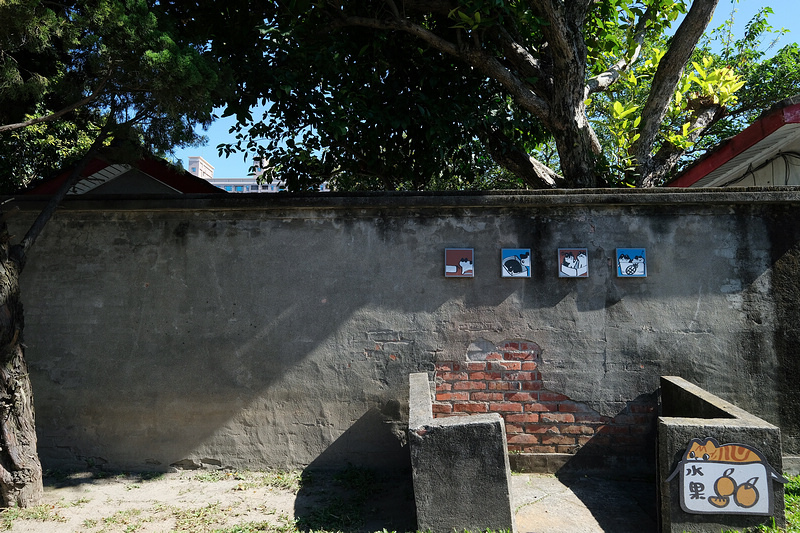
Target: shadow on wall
(367,497)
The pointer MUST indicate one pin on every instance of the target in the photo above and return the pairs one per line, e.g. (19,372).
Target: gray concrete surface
(459,466)
(693,413)
(545,503)
(279,331)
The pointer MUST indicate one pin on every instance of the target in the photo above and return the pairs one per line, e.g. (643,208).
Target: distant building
(203,169)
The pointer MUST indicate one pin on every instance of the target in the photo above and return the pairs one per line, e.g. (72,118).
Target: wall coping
(418,200)
(719,412)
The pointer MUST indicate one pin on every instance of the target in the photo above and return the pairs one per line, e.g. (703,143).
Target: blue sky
(787,15)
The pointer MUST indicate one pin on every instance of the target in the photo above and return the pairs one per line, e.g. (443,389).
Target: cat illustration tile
(515,263)
(573,263)
(631,263)
(459,263)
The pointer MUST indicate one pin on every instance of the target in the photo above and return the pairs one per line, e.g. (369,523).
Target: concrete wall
(280,331)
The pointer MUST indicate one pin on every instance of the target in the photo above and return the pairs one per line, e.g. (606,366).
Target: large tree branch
(667,76)
(519,56)
(487,64)
(53,116)
(533,172)
(669,154)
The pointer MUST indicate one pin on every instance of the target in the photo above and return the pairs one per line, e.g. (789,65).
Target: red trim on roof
(755,133)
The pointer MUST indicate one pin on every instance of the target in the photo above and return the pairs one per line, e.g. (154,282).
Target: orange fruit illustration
(747,494)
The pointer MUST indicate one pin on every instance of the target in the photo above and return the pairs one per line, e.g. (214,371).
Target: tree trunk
(20,470)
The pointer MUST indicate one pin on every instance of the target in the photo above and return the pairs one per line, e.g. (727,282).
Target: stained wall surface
(280,331)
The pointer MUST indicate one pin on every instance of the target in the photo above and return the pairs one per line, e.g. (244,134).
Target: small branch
(480,60)
(38,225)
(57,114)
(603,81)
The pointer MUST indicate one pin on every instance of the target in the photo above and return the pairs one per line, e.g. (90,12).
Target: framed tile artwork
(459,263)
(573,263)
(631,263)
(515,263)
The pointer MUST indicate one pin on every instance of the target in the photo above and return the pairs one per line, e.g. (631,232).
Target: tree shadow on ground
(374,494)
(356,499)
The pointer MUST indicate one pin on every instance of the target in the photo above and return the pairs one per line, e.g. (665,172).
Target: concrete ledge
(689,412)
(462,478)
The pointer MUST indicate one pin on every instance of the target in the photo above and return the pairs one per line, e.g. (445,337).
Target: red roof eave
(753,134)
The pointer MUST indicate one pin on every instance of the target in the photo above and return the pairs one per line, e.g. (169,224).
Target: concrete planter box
(689,412)
(462,479)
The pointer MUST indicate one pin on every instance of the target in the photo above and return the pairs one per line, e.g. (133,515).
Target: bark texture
(20,469)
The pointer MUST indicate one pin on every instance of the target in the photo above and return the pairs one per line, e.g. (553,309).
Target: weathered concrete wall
(280,331)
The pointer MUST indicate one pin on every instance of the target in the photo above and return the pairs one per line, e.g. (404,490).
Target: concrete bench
(462,478)
(689,412)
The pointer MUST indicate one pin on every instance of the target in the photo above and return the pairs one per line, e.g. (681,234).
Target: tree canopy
(475,93)
(75,72)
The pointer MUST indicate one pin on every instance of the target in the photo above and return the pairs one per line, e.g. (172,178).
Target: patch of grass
(211,476)
(42,513)
(128,518)
(198,519)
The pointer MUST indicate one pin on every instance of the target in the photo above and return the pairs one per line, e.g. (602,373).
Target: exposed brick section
(537,420)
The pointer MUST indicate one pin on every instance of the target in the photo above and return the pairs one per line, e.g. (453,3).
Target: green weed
(42,513)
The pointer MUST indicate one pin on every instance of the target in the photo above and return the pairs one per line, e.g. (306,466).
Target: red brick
(549,396)
(476,366)
(541,449)
(558,439)
(577,430)
(510,345)
(518,376)
(513,429)
(442,408)
(613,430)
(540,428)
(445,366)
(452,396)
(494,356)
(566,449)
(523,439)
(536,407)
(443,387)
(470,408)
(485,375)
(454,376)
(486,396)
(642,408)
(469,385)
(561,418)
(506,365)
(518,356)
(505,407)
(526,418)
(529,346)
(502,385)
(569,407)
(528,365)
(591,418)
(521,397)
(583,439)
(514,448)
(532,385)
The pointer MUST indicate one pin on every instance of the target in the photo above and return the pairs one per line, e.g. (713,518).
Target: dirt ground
(220,501)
